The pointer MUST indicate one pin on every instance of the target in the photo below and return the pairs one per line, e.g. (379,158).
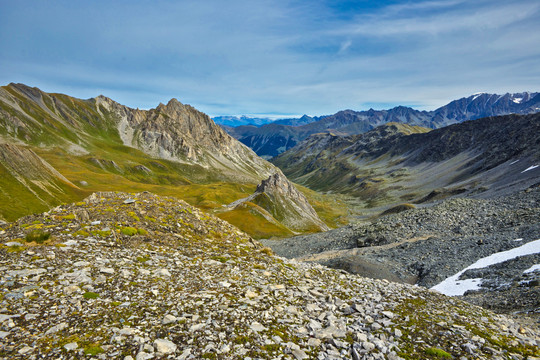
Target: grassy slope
(17,200)
(112,166)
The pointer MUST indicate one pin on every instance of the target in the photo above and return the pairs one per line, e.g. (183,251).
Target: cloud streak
(272,56)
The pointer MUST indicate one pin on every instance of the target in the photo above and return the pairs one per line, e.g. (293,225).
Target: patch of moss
(101,233)
(129,231)
(438,353)
(90,295)
(93,350)
(37,236)
(81,233)
(134,216)
(143,259)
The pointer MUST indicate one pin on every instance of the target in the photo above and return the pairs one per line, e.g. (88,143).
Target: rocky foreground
(426,245)
(136,276)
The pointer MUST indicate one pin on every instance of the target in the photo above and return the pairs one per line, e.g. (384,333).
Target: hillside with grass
(55,148)
(398,163)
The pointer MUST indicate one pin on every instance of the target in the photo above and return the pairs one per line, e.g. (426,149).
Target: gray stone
(13,243)
(164,346)
(300,354)
(255,326)
(56,328)
(169,319)
(71,346)
(163,272)
(109,271)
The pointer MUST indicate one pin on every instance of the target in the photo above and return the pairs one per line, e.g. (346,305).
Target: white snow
(476,95)
(513,162)
(452,286)
(532,269)
(517,100)
(530,168)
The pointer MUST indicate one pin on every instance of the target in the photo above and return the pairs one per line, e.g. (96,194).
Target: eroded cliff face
(179,132)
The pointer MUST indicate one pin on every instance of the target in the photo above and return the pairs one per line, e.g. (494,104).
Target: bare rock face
(174,131)
(179,132)
(286,204)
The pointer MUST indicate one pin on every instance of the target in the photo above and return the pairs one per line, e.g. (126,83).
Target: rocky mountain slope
(278,200)
(271,140)
(61,149)
(427,245)
(396,163)
(140,276)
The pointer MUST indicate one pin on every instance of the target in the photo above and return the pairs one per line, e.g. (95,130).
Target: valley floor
(428,245)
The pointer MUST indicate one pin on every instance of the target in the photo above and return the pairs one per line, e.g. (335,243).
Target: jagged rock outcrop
(174,131)
(182,133)
(285,203)
(156,278)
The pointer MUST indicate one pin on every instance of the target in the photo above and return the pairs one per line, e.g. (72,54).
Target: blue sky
(280,57)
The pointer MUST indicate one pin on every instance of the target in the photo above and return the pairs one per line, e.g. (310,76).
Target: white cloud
(273,56)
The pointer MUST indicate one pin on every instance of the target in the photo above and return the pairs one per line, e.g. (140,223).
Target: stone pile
(146,277)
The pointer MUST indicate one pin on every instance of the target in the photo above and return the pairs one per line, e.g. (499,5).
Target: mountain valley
(57,148)
(395,234)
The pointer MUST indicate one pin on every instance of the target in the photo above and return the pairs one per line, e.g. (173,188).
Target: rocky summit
(137,276)
(278,200)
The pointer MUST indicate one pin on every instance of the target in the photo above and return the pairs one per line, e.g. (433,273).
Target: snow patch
(530,168)
(520,239)
(452,286)
(532,269)
(517,100)
(513,162)
(475,96)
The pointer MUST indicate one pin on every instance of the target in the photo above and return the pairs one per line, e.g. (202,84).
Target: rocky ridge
(282,201)
(140,276)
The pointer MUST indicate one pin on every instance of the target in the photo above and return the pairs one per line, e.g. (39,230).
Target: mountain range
(235,121)
(398,162)
(161,252)
(55,148)
(272,139)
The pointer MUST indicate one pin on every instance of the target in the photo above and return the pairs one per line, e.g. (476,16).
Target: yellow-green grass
(192,183)
(248,218)
(330,208)
(17,200)
(204,195)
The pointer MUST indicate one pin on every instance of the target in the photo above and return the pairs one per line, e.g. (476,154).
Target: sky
(273,58)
